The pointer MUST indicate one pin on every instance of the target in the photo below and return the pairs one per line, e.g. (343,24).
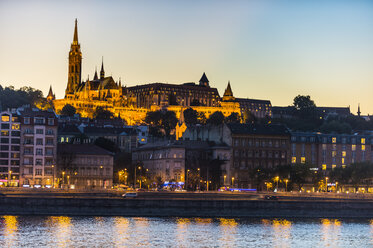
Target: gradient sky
(268,49)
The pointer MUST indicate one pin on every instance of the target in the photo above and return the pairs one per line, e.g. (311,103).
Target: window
(363,147)
(39,131)
(294,160)
(38,121)
(50,121)
(363,141)
(15,126)
(39,151)
(324,167)
(26,120)
(333,166)
(39,141)
(39,162)
(334,140)
(343,153)
(343,160)
(5,126)
(38,172)
(302,160)
(353,147)
(49,132)
(5,118)
(4,133)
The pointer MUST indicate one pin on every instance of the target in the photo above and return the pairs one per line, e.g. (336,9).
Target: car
(271,197)
(130,195)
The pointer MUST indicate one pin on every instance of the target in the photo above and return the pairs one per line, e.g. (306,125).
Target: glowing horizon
(268,50)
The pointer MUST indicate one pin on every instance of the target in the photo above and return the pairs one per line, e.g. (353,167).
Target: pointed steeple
(358,110)
(204,81)
(75,41)
(102,72)
(50,96)
(95,77)
(228,94)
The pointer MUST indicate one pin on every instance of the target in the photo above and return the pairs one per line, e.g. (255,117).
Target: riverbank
(171,207)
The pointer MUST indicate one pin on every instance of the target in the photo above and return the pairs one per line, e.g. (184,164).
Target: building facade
(84,166)
(328,151)
(38,147)
(9,148)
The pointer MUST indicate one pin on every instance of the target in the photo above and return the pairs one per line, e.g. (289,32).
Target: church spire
(204,81)
(50,96)
(228,94)
(358,110)
(102,72)
(95,77)
(75,41)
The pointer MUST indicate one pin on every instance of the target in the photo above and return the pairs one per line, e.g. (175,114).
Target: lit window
(363,141)
(324,167)
(334,140)
(294,160)
(363,147)
(302,160)
(343,166)
(343,160)
(334,153)
(5,118)
(333,166)
(343,153)
(15,126)
(353,147)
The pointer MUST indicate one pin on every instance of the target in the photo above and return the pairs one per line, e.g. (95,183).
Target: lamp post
(232,181)
(53,176)
(277,179)
(135,177)
(199,179)
(286,185)
(10,177)
(326,184)
(186,179)
(63,177)
(225,176)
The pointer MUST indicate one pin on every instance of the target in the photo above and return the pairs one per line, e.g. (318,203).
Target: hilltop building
(132,103)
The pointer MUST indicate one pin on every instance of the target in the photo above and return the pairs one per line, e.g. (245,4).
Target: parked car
(130,195)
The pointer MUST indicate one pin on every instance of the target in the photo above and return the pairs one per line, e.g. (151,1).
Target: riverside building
(9,148)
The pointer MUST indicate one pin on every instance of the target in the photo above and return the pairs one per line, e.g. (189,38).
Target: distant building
(328,151)
(9,148)
(133,103)
(322,112)
(84,166)
(38,147)
(251,146)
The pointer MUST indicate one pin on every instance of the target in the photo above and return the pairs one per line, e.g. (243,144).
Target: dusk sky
(271,50)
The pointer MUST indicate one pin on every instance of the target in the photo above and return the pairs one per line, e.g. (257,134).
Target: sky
(270,50)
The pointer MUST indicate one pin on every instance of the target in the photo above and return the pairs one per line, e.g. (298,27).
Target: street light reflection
(61,225)
(10,232)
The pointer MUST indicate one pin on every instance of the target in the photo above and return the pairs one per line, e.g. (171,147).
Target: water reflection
(228,232)
(60,226)
(330,232)
(121,229)
(281,234)
(10,230)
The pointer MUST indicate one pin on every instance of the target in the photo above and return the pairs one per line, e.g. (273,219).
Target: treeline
(14,98)
(305,117)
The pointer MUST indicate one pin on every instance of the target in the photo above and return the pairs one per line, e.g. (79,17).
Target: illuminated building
(9,148)
(132,103)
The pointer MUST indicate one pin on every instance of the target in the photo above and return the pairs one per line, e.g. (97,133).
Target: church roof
(204,79)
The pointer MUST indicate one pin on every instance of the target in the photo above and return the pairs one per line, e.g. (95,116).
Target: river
(63,231)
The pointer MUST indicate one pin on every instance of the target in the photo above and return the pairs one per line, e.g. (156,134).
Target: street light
(225,176)
(326,183)
(63,177)
(286,185)
(232,181)
(277,178)
(10,176)
(53,176)
(199,179)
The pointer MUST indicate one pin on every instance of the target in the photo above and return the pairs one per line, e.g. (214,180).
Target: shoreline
(229,208)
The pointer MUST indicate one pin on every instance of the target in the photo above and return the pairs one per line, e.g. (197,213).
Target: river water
(62,231)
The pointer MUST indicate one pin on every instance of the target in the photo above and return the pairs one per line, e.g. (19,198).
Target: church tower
(75,64)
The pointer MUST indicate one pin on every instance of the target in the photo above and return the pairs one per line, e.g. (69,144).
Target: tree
(106,144)
(335,127)
(300,173)
(161,122)
(201,118)
(13,98)
(305,107)
(233,118)
(102,114)
(190,116)
(68,110)
(249,117)
(216,118)
(195,102)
